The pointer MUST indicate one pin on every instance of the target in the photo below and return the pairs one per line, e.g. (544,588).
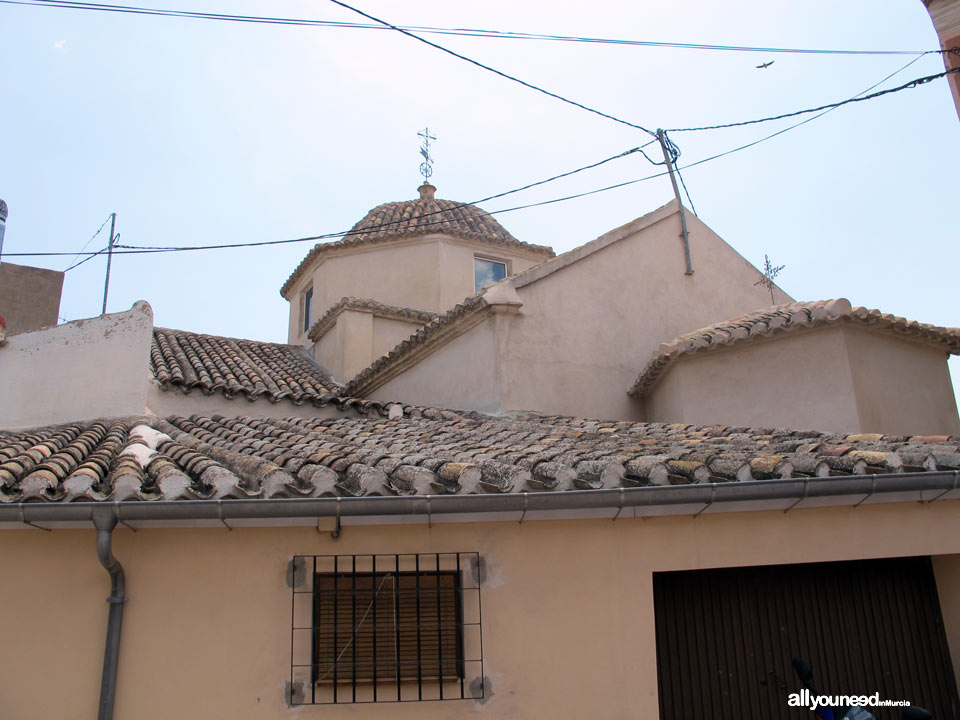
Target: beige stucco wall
(946,19)
(79,370)
(434,273)
(584,331)
(902,386)
(801,381)
(29,297)
(568,621)
(463,375)
(388,333)
(841,379)
(357,338)
(327,351)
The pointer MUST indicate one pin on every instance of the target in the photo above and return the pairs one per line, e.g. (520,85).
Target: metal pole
(667,158)
(105,521)
(106,284)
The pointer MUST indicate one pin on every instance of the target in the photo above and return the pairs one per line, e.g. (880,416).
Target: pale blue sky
(200,132)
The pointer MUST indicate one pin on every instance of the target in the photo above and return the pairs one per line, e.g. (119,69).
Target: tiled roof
(328,319)
(787,318)
(430,333)
(233,367)
(422,452)
(414,218)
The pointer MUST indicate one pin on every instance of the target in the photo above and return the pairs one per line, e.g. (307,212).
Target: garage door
(725,638)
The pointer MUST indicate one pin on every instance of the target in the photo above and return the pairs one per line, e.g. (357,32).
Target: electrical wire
(463,32)
(99,230)
(479,64)
(795,125)
(328,236)
(290,21)
(687,192)
(906,86)
(672,148)
(91,256)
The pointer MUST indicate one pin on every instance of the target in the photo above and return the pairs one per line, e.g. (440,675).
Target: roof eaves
(435,452)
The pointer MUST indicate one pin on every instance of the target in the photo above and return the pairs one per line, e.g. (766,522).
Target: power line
(328,236)
(795,125)
(906,86)
(135,250)
(462,32)
(90,256)
(67,4)
(494,70)
(99,230)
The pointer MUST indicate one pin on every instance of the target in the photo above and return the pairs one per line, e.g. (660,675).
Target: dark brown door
(726,637)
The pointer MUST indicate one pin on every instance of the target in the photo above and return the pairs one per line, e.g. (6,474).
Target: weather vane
(768,275)
(426,167)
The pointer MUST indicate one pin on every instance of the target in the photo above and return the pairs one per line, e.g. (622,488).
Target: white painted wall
(77,371)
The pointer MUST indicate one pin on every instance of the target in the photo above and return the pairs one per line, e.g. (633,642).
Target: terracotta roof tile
(415,218)
(427,451)
(235,368)
(786,318)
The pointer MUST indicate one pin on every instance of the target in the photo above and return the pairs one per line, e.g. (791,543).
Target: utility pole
(668,159)
(106,284)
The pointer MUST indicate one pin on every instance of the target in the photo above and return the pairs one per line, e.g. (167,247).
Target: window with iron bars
(386,628)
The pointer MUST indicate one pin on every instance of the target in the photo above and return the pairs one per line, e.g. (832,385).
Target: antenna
(426,167)
(768,275)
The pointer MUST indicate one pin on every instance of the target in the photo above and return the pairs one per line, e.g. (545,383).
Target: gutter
(105,521)
(782,494)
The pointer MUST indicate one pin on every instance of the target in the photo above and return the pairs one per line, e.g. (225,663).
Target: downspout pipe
(105,521)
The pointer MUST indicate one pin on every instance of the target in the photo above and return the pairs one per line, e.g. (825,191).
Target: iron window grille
(386,628)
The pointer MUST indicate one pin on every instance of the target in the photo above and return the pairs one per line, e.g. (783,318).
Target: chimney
(29,296)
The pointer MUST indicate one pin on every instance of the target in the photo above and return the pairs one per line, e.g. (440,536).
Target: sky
(198,132)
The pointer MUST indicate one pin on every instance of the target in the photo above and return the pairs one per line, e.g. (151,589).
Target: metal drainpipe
(105,521)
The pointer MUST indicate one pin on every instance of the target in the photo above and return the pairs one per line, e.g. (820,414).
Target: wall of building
(79,370)
(585,331)
(946,19)
(388,333)
(902,386)
(357,339)
(29,297)
(840,379)
(463,375)
(568,618)
(434,273)
(803,381)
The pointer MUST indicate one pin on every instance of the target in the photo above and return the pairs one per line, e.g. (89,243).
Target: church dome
(426,216)
(414,218)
